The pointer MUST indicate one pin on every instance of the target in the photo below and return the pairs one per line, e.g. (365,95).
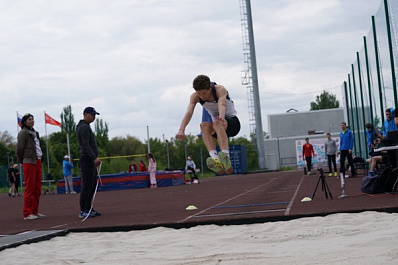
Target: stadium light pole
(256,94)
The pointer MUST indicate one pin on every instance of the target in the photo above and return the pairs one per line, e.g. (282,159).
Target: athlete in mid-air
(215,99)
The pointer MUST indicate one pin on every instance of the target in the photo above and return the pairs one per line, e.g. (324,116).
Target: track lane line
(287,212)
(237,196)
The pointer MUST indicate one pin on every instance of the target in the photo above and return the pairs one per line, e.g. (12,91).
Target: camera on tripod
(324,185)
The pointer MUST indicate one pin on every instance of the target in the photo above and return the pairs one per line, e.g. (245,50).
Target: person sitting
(190,165)
(132,167)
(142,166)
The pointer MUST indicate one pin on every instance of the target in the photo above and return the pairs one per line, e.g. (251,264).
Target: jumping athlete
(215,99)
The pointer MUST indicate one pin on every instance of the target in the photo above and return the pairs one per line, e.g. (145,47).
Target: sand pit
(361,238)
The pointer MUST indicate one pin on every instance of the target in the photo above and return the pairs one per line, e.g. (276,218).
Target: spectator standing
(308,153)
(389,124)
(152,170)
(331,151)
(67,171)
(346,145)
(17,180)
(142,166)
(29,153)
(12,179)
(8,178)
(88,162)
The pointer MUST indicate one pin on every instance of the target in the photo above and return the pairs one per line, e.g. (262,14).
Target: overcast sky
(134,61)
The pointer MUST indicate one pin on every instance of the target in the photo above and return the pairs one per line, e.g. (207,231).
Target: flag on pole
(51,121)
(19,119)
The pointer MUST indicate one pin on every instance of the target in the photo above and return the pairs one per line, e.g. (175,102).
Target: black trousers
(309,163)
(332,159)
(343,155)
(88,172)
(193,172)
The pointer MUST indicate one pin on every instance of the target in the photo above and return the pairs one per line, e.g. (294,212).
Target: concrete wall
(299,123)
(281,152)
(286,128)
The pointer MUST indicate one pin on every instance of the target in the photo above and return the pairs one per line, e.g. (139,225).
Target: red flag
(51,121)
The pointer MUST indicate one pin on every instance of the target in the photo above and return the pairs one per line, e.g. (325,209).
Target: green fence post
(368,77)
(394,81)
(378,71)
(363,104)
(356,111)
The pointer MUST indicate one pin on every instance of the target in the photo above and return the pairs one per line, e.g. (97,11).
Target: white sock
(213,154)
(225,151)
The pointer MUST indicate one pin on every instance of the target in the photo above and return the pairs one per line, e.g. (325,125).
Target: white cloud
(134,61)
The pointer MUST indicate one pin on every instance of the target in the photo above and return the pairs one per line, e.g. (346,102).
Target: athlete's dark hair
(201,82)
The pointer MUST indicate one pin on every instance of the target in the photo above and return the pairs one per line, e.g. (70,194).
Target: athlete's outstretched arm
(187,117)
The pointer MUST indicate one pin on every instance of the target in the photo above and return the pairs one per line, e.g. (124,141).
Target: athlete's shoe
(226,162)
(215,165)
(335,174)
(330,174)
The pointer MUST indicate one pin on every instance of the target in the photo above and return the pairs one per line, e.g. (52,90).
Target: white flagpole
(147,132)
(48,160)
(17,123)
(67,142)
(19,165)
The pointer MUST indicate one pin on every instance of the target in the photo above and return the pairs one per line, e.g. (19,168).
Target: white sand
(364,238)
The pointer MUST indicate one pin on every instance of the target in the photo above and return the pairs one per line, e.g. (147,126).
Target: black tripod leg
(316,187)
(324,187)
(328,190)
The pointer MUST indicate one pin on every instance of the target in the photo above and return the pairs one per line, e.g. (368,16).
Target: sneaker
(95,213)
(330,174)
(72,192)
(40,215)
(85,213)
(195,181)
(153,186)
(335,174)
(215,165)
(309,173)
(31,217)
(226,162)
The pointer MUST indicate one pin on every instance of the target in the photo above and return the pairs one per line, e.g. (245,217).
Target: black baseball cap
(90,110)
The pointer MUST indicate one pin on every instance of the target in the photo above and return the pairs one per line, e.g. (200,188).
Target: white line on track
(287,212)
(237,196)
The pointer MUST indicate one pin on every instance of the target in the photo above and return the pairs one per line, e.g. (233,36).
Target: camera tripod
(324,184)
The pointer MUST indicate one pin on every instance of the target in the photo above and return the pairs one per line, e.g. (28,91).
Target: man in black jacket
(88,162)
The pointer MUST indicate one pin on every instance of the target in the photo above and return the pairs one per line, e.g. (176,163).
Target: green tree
(68,120)
(101,136)
(325,100)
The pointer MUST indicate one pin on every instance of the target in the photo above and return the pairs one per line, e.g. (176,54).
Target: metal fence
(370,87)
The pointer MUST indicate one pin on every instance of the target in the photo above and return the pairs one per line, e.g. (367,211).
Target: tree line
(120,146)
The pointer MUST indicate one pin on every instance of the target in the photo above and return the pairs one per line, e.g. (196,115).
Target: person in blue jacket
(345,151)
(67,171)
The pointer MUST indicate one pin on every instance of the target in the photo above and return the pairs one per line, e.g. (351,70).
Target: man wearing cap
(88,162)
(67,170)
